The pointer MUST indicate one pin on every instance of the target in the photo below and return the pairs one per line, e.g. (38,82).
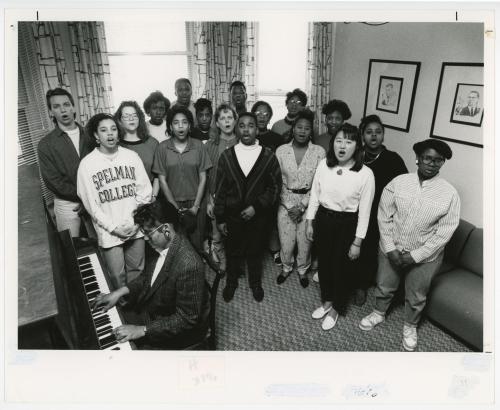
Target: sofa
(455,301)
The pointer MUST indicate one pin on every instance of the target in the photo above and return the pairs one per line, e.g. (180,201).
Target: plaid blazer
(176,307)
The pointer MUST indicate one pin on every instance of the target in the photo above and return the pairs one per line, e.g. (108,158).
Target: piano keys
(84,279)
(94,283)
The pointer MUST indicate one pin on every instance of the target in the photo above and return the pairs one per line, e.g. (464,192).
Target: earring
(416,161)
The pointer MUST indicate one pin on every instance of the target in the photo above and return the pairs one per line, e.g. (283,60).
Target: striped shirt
(419,218)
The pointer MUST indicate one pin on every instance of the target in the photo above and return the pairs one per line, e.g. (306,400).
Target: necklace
(368,160)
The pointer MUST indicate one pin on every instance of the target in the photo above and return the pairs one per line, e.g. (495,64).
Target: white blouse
(348,192)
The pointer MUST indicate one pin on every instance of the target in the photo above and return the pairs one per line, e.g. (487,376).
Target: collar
(171,146)
(288,120)
(164,252)
(59,132)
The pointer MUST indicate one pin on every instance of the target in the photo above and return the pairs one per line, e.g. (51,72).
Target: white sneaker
(316,277)
(370,321)
(329,322)
(320,312)
(410,338)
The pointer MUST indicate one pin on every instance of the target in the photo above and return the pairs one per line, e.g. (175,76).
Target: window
(144,58)
(282,62)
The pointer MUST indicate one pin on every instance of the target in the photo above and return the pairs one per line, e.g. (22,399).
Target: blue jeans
(418,280)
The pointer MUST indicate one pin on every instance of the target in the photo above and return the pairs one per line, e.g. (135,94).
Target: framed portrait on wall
(458,111)
(390,92)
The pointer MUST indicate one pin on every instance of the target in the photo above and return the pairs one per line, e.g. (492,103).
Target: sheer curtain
(89,60)
(321,42)
(209,63)
(212,70)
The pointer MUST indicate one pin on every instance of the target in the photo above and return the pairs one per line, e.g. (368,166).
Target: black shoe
(228,293)
(304,281)
(281,278)
(277,259)
(258,293)
(360,297)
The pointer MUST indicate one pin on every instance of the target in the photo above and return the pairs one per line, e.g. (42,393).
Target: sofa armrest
(454,247)
(472,254)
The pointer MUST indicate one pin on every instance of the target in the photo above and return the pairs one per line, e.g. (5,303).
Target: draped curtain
(213,70)
(90,59)
(319,69)
(92,90)
(209,63)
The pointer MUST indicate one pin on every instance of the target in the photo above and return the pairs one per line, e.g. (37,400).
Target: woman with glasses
(181,164)
(112,182)
(336,112)
(417,216)
(135,136)
(298,162)
(386,165)
(296,101)
(340,204)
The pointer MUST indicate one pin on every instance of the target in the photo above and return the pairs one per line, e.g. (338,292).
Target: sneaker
(329,322)
(370,321)
(410,338)
(258,293)
(277,259)
(304,281)
(316,277)
(228,293)
(320,312)
(360,297)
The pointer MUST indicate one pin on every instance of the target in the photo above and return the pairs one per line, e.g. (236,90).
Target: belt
(299,191)
(338,214)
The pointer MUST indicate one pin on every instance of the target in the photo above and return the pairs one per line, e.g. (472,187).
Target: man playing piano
(169,302)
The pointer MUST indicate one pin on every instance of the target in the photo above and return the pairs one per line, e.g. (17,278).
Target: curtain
(90,59)
(209,63)
(319,69)
(50,53)
(212,71)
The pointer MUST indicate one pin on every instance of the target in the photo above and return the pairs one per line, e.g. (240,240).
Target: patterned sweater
(235,192)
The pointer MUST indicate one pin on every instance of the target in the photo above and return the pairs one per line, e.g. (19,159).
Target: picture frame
(390,92)
(459,110)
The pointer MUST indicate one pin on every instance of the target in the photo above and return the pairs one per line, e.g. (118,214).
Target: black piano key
(116,348)
(106,340)
(104,330)
(109,343)
(102,321)
(85,259)
(88,279)
(88,273)
(93,294)
(91,287)
(85,266)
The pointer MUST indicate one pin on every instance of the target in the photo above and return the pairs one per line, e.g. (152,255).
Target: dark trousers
(245,243)
(365,276)
(334,235)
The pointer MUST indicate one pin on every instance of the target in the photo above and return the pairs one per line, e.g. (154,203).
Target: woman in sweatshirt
(111,183)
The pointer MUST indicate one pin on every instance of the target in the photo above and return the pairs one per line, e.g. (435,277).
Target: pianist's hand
(106,301)
(125,333)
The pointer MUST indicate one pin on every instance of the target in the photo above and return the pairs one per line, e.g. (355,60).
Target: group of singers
(195,178)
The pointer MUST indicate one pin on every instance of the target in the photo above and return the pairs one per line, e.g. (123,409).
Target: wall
(431,44)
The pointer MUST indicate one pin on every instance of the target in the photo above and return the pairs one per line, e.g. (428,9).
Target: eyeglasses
(148,234)
(296,102)
(130,117)
(264,114)
(427,160)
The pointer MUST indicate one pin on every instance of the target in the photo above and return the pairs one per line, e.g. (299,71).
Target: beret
(439,146)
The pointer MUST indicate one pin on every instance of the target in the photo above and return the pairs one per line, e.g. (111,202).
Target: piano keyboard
(95,283)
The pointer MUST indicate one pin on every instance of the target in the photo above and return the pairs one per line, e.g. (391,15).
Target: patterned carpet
(282,321)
